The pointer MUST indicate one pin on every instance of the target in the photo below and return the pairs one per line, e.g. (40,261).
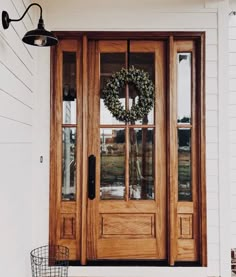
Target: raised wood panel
(185,226)
(124,225)
(127,249)
(68,226)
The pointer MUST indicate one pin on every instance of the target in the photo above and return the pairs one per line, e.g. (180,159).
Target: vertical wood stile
(53,142)
(201,122)
(160,146)
(58,133)
(93,119)
(79,154)
(194,149)
(84,152)
(127,130)
(172,154)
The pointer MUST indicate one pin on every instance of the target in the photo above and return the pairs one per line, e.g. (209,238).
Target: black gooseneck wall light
(37,37)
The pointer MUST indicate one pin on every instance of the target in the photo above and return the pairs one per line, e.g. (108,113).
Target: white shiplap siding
(16,110)
(232,123)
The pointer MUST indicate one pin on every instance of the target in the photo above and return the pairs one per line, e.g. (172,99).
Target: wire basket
(50,261)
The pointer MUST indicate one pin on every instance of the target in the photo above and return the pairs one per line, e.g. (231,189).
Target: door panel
(127,219)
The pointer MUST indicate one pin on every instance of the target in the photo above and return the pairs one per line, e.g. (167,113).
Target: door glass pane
(184,165)
(141,163)
(184,87)
(109,64)
(68,163)
(69,87)
(112,171)
(145,62)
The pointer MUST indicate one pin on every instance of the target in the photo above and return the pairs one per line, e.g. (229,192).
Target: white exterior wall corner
(232,118)
(17,65)
(150,15)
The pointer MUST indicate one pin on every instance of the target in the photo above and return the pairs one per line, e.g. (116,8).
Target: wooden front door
(127,217)
(128,191)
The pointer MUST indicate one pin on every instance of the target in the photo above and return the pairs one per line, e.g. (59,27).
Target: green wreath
(145,89)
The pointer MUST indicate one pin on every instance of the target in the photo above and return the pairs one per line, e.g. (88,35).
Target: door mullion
(126,163)
(84,153)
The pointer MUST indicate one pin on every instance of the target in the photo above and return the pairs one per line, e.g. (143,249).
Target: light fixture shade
(40,37)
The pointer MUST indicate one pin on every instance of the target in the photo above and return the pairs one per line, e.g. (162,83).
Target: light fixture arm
(33,4)
(6,20)
(36,37)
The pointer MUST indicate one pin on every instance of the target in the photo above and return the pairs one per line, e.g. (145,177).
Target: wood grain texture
(127,225)
(83,117)
(187,212)
(68,227)
(201,91)
(105,229)
(93,149)
(185,226)
(64,216)
(127,248)
(96,245)
(172,154)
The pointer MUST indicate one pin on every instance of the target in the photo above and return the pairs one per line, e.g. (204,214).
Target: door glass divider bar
(127,125)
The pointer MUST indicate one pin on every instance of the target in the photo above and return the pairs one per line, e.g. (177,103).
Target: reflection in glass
(184,76)
(145,62)
(184,165)
(112,62)
(141,163)
(109,64)
(69,87)
(68,163)
(112,153)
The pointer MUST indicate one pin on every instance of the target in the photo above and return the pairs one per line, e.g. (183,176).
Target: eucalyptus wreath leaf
(145,90)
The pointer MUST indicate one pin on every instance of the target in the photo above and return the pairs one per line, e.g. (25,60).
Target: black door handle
(91,177)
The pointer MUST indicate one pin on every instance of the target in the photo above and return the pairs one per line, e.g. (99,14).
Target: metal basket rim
(48,246)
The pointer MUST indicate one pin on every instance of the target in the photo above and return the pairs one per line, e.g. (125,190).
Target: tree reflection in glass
(112,154)
(68,163)
(184,165)
(141,161)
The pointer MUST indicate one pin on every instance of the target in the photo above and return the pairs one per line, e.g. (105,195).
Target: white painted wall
(17,72)
(106,15)
(232,116)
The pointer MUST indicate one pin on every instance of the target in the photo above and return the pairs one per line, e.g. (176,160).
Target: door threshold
(154,263)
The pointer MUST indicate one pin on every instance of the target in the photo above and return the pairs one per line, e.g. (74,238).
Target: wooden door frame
(169,37)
